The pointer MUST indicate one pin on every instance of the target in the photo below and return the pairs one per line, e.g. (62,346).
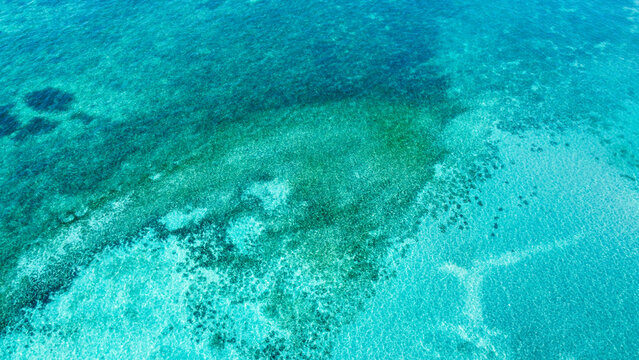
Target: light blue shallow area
(557,281)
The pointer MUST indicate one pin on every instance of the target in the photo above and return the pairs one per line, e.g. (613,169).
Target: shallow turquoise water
(351,180)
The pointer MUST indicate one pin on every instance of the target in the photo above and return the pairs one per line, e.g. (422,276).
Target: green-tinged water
(319,180)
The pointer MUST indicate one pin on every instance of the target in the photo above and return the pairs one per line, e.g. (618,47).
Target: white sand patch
(273,194)
(244,233)
(178,219)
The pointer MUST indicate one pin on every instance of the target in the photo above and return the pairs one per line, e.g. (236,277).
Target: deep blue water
(258,179)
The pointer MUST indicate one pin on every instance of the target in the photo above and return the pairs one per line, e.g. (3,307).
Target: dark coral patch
(8,122)
(37,126)
(84,117)
(49,99)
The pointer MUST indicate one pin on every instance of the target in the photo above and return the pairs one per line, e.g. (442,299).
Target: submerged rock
(49,99)
(67,218)
(37,126)
(80,212)
(70,216)
(8,123)
(84,117)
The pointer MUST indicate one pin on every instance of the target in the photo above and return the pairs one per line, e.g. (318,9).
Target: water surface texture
(320,179)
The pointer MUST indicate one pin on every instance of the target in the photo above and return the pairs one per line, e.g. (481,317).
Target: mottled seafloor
(319,179)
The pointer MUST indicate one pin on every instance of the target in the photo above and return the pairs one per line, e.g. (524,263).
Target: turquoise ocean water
(320,179)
